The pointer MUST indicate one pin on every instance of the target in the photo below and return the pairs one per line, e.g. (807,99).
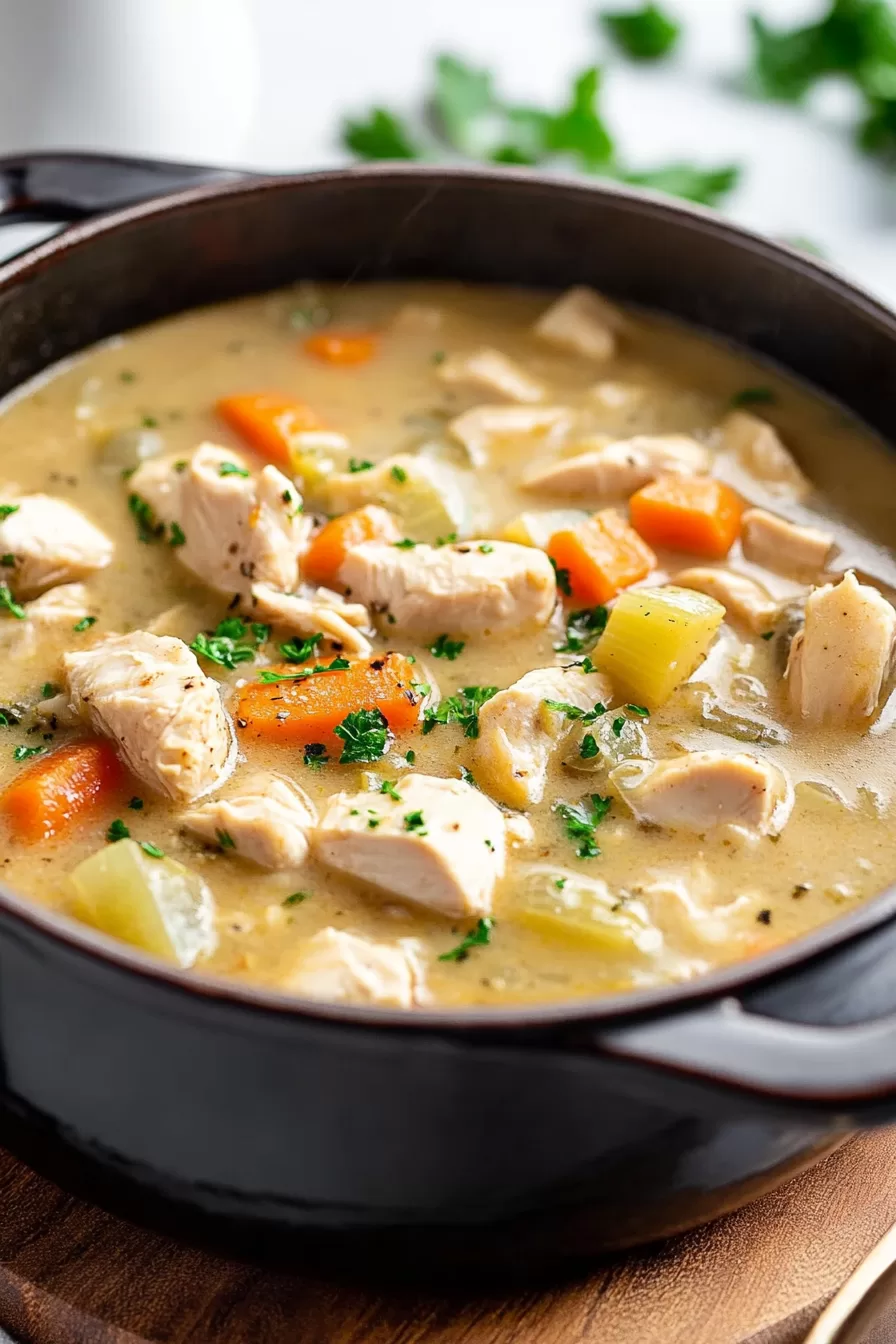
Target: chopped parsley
(127,376)
(414,821)
(117,831)
(398,474)
(581,820)
(231,469)
(231,642)
(9,604)
(356,464)
(462,708)
(25,753)
(9,718)
(84,624)
(297,650)
(752,396)
(617,725)
(447,541)
(405,544)
(149,422)
(177,537)
(574,712)
(296,898)
(640,711)
(562,577)
(388,787)
(410,757)
(485,548)
(583,629)
(560,882)
(337,665)
(480,936)
(373,819)
(437,357)
(225,839)
(468,777)
(380,136)
(767,635)
(136,804)
(8,561)
(315,756)
(447,648)
(152,850)
(365,733)
(589,748)
(643,34)
(48,689)
(7,510)
(181,465)
(148,528)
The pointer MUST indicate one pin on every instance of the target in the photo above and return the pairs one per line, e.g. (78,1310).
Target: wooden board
(72,1274)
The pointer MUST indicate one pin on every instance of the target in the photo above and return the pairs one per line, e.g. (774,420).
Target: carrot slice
(298,712)
(335,347)
(47,798)
(600,557)
(688,513)
(268,423)
(324,557)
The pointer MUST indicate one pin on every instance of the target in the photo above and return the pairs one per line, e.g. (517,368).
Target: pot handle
(62,188)
(822,1034)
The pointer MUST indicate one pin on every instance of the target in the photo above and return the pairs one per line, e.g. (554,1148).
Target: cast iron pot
(498,1139)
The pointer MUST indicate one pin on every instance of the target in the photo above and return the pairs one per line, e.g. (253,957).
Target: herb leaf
(152,850)
(447,648)
(231,469)
(480,936)
(359,464)
(148,528)
(315,756)
(381,135)
(704,186)
(84,624)
(365,733)
(462,708)
(337,665)
(645,34)
(25,753)
(297,650)
(7,510)
(9,604)
(117,831)
(562,577)
(231,642)
(583,629)
(582,819)
(752,396)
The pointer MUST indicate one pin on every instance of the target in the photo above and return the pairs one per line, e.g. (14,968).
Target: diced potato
(155,904)
(655,638)
(314,455)
(427,496)
(537,526)
(583,910)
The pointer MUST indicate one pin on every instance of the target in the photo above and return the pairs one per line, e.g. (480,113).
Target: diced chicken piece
(519,731)
(744,600)
(441,844)
(483,428)
(323,613)
(237,529)
(582,321)
(469,588)
(150,696)
(617,470)
(54,612)
(266,818)
(839,660)
(796,552)
(705,789)
(759,451)
(491,371)
(50,543)
(340,967)
(519,830)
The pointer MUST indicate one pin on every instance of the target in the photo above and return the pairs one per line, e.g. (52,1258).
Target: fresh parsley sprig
(581,820)
(462,708)
(480,936)
(233,641)
(365,733)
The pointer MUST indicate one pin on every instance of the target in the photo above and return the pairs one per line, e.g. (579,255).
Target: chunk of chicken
(150,696)
(758,450)
(839,660)
(55,612)
(796,552)
(265,818)
(744,600)
(238,529)
(440,844)
(583,322)
(484,428)
(322,613)
(705,789)
(490,371)
(519,731)
(617,470)
(340,967)
(469,588)
(50,542)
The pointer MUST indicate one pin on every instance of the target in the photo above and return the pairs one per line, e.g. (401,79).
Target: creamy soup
(431,644)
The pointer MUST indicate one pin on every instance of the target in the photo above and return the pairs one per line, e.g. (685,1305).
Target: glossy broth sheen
(750,893)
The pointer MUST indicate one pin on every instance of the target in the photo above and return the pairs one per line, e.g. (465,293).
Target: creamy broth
(714,895)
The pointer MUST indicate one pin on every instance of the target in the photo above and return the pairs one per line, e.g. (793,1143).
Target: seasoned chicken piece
(323,613)
(757,448)
(705,789)
(519,731)
(796,552)
(744,600)
(238,528)
(265,818)
(490,371)
(50,542)
(54,612)
(340,967)
(483,428)
(150,696)
(839,660)
(440,844)
(469,588)
(583,322)
(617,470)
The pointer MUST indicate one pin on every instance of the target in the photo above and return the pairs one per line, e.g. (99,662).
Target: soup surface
(434,644)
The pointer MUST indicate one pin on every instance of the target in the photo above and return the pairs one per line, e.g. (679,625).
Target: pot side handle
(62,188)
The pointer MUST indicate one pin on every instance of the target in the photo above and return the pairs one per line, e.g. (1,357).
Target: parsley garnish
(136,804)
(486,548)
(462,708)
(562,577)
(573,711)
(365,733)
(414,821)
(296,898)
(447,541)
(640,711)
(7,510)
(480,936)
(398,474)
(152,850)
(405,544)
(9,718)
(410,757)
(117,831)
(84,624)
(225,839)
(373,819)
(560,882)
(388,787)
(582,819)
(315,756)
(767,634)
(8,561)
(467,777)
(617,725)
(148,529)
(752,396)
(447,648)
(356,464)
(380,136)
(231,469)
(589,747)
(25,753)
(127,376)
(337,665)
(149,422)
(177,537)
(48,689)
(299,651)
(231,642)
(644,34)
(181,465)
(7,602)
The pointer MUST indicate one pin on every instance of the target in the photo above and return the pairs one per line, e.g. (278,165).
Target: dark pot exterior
(507,1141)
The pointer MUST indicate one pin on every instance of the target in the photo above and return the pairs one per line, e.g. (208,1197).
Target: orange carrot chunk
(324,557)
(599,558)
(48,797)
(335,347)
(296,713)
(268,423)
(697,514)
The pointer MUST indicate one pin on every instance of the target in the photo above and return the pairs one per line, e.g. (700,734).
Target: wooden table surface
(72,1274)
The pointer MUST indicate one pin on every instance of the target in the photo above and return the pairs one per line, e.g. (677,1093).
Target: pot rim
(92,945)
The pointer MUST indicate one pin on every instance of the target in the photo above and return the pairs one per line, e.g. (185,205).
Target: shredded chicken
(483,428)
(758,450)
(840,658)
(705,789)
(617,470)
(583,322)
(340,967)
(323,612)
(46,542)
(265,818)
(440,844)
(744,600)
(491,372)
(796,552)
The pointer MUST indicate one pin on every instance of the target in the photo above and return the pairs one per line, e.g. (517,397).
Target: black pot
(506,1138)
